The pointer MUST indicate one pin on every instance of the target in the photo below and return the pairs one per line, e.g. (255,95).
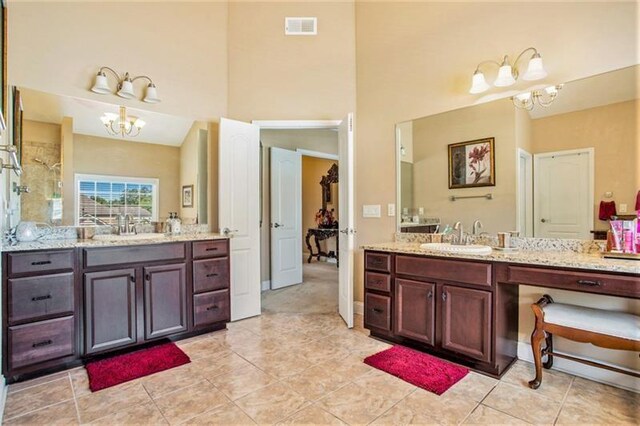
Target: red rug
(123,368)
(417,368)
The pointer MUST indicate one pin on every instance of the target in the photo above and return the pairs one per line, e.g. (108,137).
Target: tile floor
(307,369)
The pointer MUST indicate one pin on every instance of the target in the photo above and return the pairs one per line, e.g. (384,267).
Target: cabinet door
(110,309)
(466,321)
(165,300)
(415,310)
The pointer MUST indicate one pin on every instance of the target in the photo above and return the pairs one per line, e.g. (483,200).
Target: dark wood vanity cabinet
(63,306)
(415,310)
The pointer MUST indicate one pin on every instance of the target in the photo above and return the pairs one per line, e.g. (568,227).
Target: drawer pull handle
(38,298)
(211,249)
(444,296)
(589,283)
(378,310)
(430,294)
(41,262)
(211,275)
(132,278)
(376,261)
(212,308)
(43,343)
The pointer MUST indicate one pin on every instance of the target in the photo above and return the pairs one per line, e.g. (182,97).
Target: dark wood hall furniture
(321,234)
(465,310)
(606,329)
(64,306)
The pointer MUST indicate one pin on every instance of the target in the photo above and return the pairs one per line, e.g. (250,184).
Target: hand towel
(638,201)
(607,209)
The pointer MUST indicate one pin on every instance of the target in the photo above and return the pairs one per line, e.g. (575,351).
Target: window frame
(78,177)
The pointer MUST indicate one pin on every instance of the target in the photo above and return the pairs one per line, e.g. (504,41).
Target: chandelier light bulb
(535,70)
(478,83)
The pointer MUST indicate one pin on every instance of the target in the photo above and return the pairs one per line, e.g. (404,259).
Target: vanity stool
(607,329)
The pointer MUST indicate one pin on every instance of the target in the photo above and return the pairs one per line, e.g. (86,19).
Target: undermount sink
(450,248)
(114,237)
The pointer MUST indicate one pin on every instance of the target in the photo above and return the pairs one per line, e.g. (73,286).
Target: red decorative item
(607,209)
(419,369)
(123,368)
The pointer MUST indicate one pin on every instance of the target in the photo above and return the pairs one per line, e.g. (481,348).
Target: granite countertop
(563,259)
(413,224)
(73,242)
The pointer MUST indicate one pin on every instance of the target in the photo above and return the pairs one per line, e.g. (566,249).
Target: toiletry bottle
(169,222)
(176,226)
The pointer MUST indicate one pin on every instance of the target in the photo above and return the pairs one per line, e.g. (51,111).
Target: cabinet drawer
(376,281)
(210,274)
(213,248)
(377,262)
(211,307)
(617,285)
(377,312)
(40,341)
(36,297)
(133,254)
(448,270)
(40,261)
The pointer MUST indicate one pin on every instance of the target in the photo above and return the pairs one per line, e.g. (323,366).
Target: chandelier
(544,98)
(508,74)
(124,88)
(121,124)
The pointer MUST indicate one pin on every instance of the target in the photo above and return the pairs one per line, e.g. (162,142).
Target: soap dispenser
(176,225)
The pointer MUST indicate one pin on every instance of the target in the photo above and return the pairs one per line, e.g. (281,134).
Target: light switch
(421,210)
(371,210)
(623,208)
(391,209)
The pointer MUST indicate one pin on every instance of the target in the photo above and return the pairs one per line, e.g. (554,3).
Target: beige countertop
(562,259)
(48,244)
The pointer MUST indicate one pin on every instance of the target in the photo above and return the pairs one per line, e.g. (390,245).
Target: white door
(563,194)
(286,218)
(346,219)
(239,211)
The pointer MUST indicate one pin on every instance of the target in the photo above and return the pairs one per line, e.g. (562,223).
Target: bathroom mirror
(83,168)
(556,171)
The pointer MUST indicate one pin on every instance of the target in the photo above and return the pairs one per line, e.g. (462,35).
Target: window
(100,199)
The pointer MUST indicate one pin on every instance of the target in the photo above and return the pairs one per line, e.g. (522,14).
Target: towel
(607,209)
(638,201)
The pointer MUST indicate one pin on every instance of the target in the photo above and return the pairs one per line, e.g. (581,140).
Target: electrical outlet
(391,209)
(623,208)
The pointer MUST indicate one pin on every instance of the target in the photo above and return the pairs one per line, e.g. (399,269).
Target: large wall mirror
(559,171)
(82,168)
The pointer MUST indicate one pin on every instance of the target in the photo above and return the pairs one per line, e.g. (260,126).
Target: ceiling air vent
(301,26)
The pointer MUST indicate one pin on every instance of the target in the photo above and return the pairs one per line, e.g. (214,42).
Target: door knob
(227,231)
(344,231)
(543,220)
(277,225)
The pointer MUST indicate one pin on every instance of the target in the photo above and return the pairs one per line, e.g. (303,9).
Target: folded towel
(607,209)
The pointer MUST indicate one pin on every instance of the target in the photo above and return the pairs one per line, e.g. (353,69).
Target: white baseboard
(266,285)
(358,308)
(585,371)
(3,397)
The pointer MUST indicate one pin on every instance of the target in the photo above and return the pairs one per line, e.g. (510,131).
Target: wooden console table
(320,234)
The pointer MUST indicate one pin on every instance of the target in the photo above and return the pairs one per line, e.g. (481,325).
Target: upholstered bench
(607,329)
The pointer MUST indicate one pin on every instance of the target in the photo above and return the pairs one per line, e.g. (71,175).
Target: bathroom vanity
(465,307)
(70,301)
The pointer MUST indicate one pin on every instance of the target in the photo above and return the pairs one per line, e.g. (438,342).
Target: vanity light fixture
(124,89)
(121,124)
(508,74)
(544,97)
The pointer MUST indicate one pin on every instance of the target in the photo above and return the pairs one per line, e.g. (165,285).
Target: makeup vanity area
(475,309)
(70,295)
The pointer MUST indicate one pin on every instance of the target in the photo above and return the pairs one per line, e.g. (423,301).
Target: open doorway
(300,217)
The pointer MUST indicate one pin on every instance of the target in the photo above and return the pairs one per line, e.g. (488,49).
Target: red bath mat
(123,368)
(417,368)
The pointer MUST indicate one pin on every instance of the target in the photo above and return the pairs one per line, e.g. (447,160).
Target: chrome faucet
(129,224)
(477,225)
(459,239)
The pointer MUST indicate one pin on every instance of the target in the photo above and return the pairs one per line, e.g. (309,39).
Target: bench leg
(549,348)
(536,344)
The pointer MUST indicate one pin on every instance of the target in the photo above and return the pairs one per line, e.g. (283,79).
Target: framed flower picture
(187,196)
(472,164)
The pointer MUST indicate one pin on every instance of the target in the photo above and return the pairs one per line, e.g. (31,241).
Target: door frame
(536,173)
(526,229)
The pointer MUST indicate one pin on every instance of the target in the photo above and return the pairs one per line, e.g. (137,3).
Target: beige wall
(431,135)
(189,170)
(57,47)
(612,130)
(132,159)
(313,169)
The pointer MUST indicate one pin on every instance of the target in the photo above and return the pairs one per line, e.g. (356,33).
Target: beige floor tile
(203,348)
(63,413)
(403,414)
(37,381)
(320,351)
(239,383)
(108,401)
(170,380)
(272,403)
(379,381)
(224,415)
(445,409)
(355,404)
(484,415)
(312,415)
(472,386)
(520,402)
(282,364)
(350,367)
(315,382)
(38,396)
(554,383)
(80,382)
(584,385)
(145,414)
(189,402)
(213,366)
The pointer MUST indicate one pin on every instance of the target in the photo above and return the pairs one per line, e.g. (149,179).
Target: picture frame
(472,163)
(187,196)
